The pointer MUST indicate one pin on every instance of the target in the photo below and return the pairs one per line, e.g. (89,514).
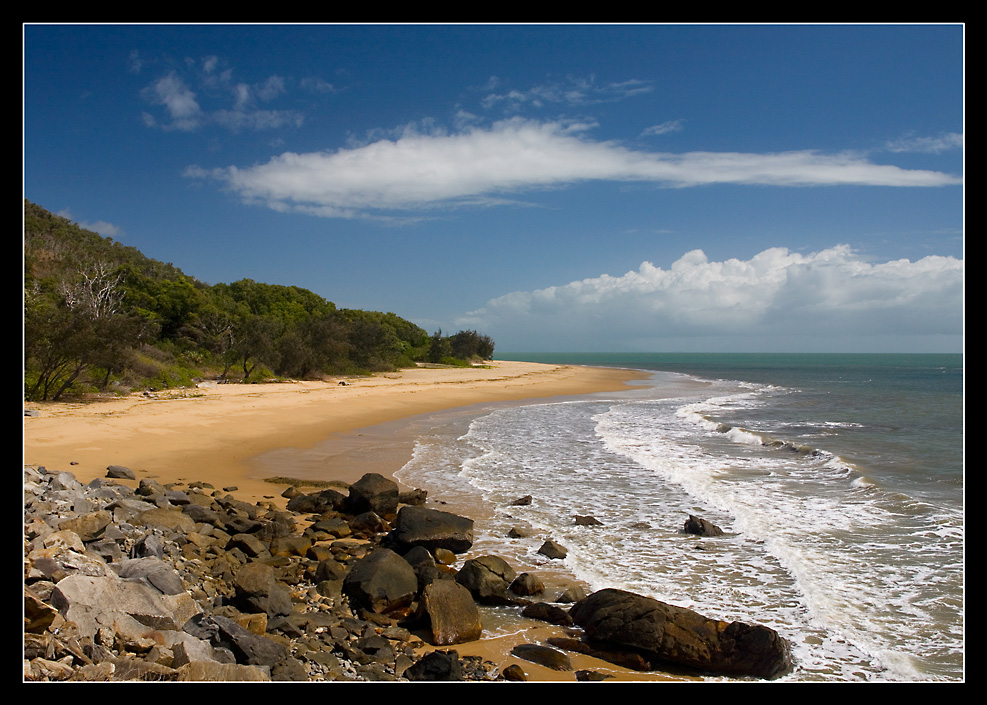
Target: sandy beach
(209,433)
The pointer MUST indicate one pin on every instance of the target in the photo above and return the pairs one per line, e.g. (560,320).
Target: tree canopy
(99,316)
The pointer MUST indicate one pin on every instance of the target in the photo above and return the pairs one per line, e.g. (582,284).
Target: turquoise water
(838,480)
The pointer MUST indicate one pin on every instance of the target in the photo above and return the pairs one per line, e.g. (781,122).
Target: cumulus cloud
(479,165)
(777,295)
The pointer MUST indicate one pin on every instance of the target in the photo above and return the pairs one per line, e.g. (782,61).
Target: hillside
(100,317)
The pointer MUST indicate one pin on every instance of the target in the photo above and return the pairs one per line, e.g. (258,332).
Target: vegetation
(100,316)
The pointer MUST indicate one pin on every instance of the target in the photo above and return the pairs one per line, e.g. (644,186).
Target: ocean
(837,480)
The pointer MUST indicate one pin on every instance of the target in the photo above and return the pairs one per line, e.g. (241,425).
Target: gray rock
(381,582)
(257,590)
(432,529)
(155,572)
(436,666)
(111,602)
(120,472)
(373,493)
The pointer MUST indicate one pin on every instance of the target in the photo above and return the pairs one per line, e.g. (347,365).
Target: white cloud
(178,100)
(571,91)
(416,169)
(927,145)
(237,101)
(774,297)
(664,128)
(100,226)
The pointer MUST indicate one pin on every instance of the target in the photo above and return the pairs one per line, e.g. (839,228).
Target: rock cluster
(167,582)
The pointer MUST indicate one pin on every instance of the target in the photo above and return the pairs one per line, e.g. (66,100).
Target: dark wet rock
(544,656)
(552,549)
(585,675)
(317,502)
(431,529)
(373,493)
(514,673)
(436,666)
(415,497)
(701,527)
(667,633)
(381,582)
(488,579)
(546,612)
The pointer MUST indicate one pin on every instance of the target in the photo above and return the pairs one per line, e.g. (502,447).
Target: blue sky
(560,188)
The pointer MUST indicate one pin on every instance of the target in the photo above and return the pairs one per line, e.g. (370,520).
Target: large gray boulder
(616,619)
(382,582)
(432,529)
(128,607)
(258,590)
(373,493)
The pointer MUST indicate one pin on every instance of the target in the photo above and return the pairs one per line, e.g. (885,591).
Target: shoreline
(213,432)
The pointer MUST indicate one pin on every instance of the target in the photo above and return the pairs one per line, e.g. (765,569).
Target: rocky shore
(169,582)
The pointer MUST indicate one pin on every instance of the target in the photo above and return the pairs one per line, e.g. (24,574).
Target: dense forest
(100,317)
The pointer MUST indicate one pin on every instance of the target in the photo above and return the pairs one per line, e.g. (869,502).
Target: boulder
(527,584)
(665,633)
(553,550)
(121,472)
(248,648)
(701,527)
(436,666)
(154,571)
(488,579)
(373,493)
(573,593)
(431,528)
(257,590)
(452,613)
(381,582)
(546,612)
(97,602)
(316,502)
